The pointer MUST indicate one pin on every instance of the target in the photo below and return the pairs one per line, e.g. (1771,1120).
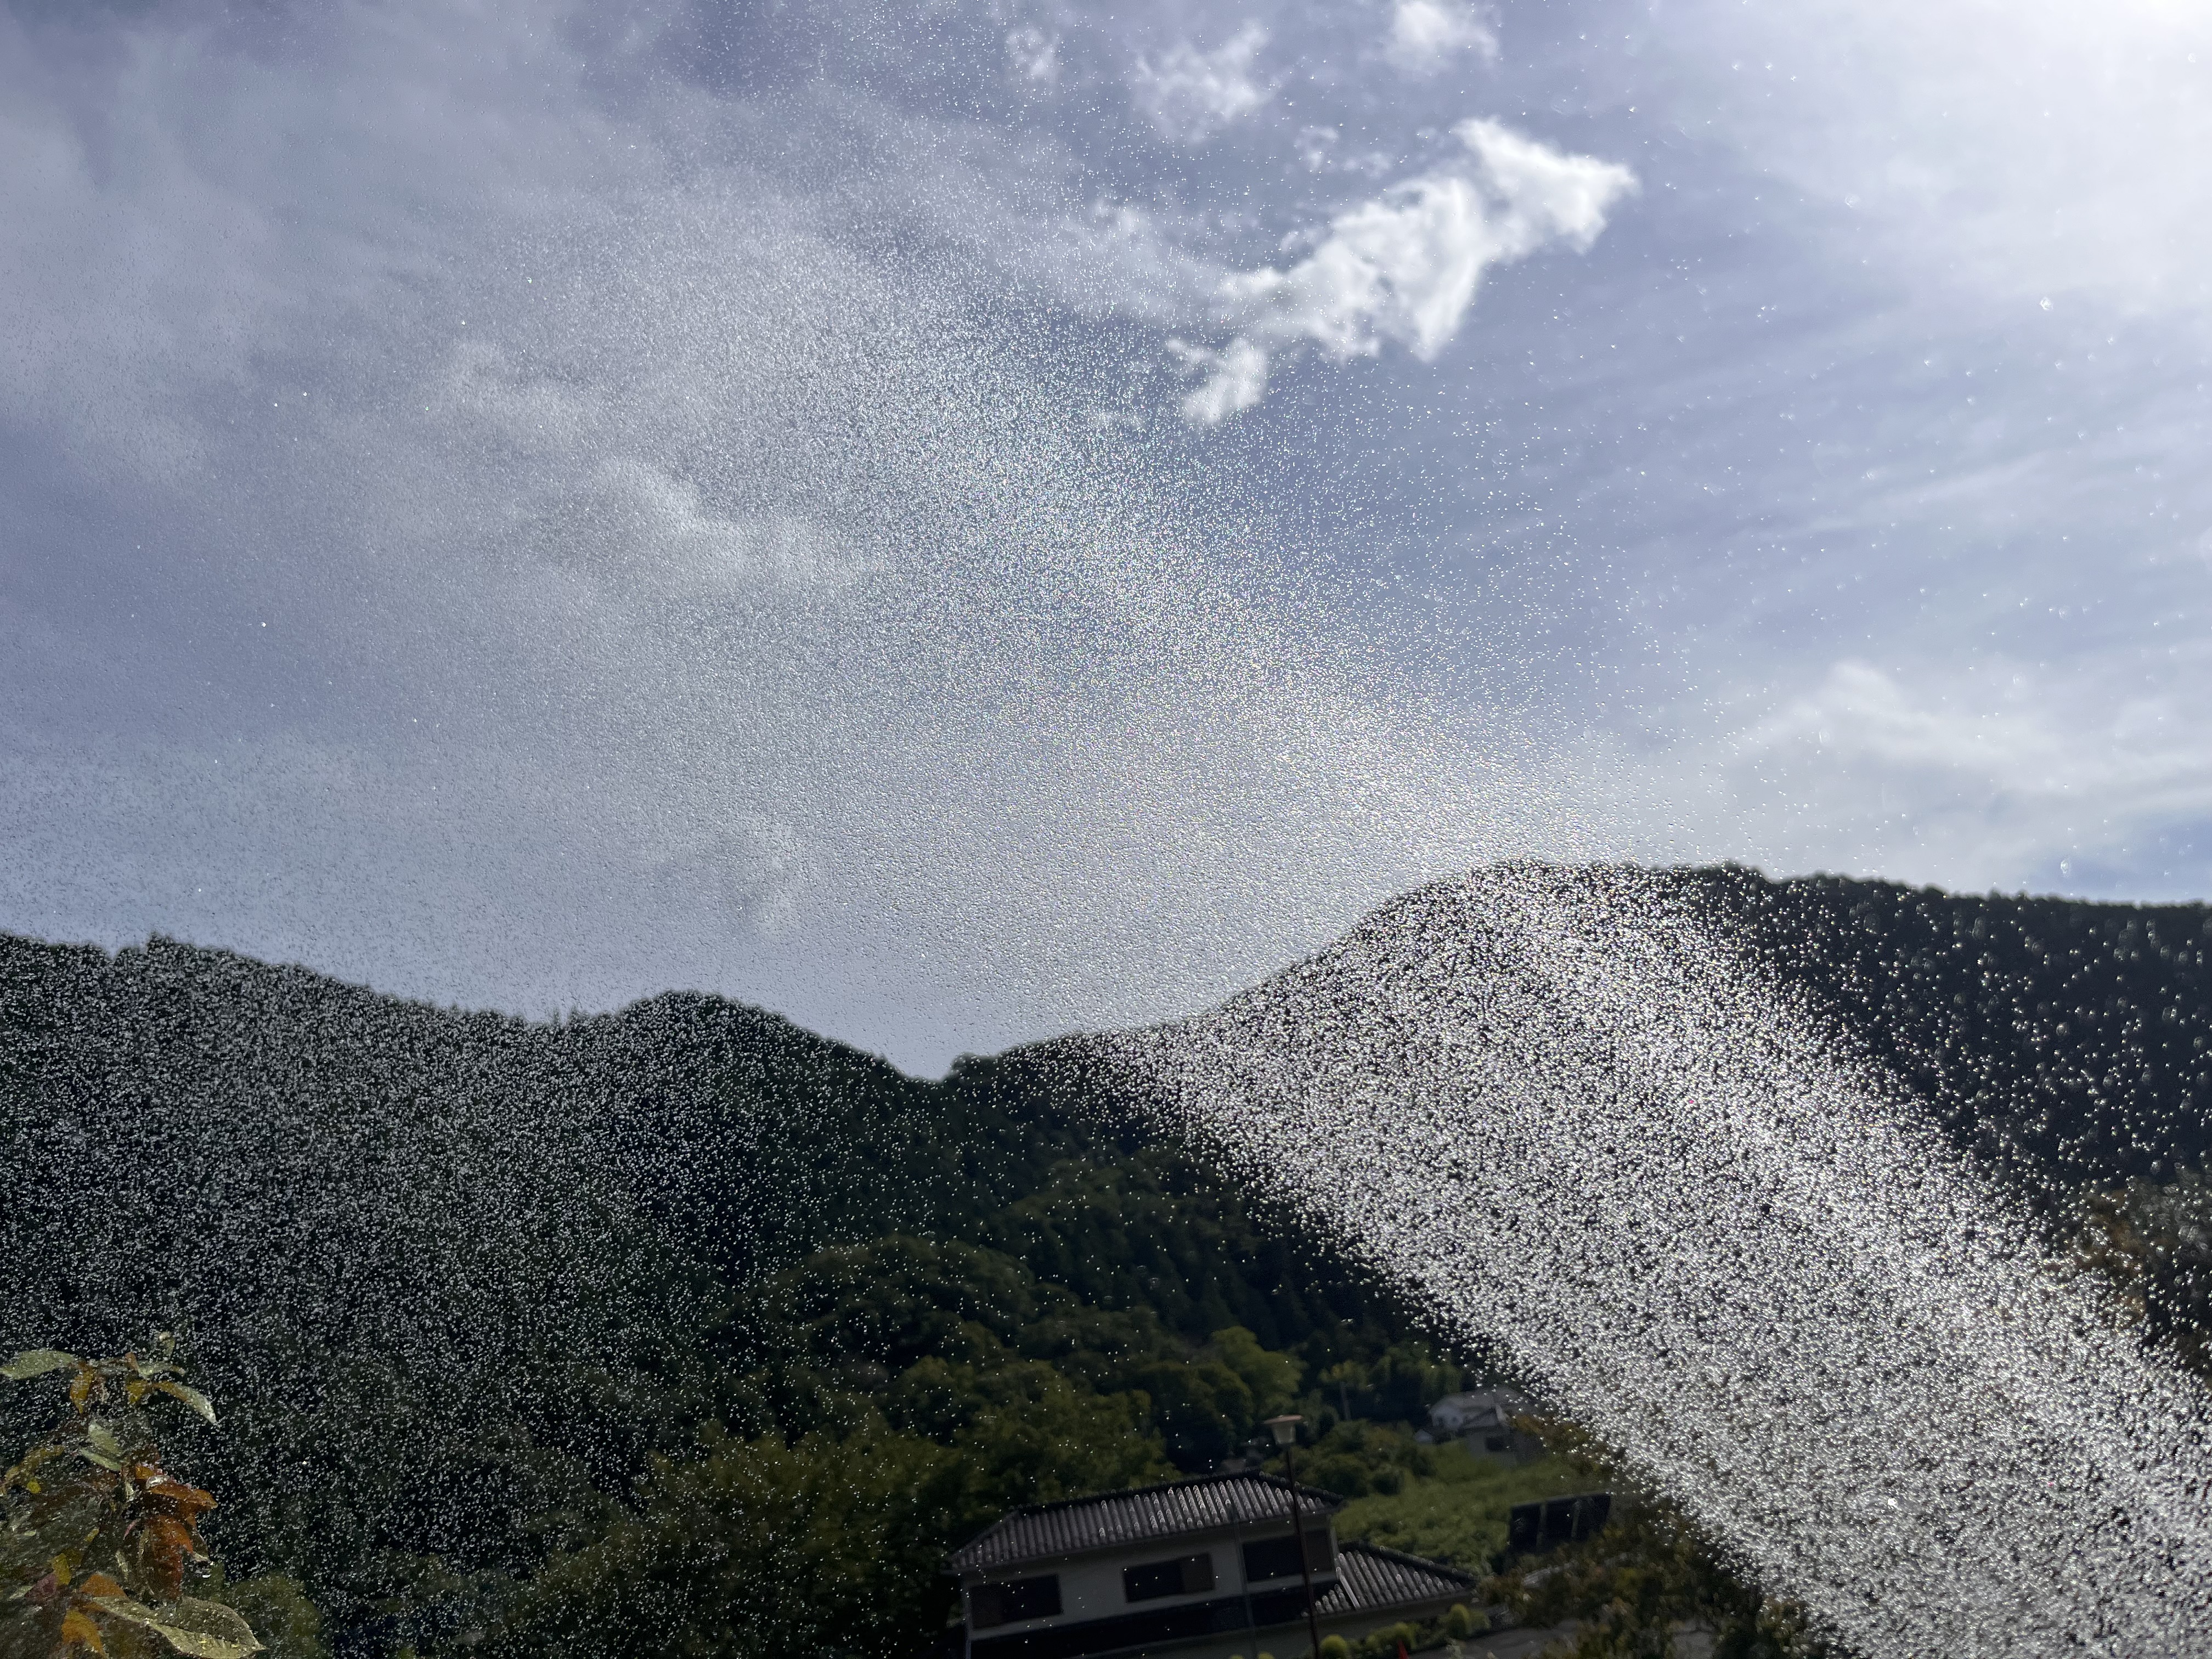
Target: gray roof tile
(1370,1579)
(1044,1532)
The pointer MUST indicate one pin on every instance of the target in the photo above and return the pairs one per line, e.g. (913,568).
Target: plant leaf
(103,1440)
(79,1632)
(37,1362)
(203,1630)
(191,1396)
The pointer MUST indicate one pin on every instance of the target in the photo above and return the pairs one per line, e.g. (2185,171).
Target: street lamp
(1286,1430)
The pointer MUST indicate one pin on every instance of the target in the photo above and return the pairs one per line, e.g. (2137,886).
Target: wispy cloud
(1426,36)
(752,874)
(1191,95)
(1236,379)
(1402,269)
(2001,773)
(1032,57)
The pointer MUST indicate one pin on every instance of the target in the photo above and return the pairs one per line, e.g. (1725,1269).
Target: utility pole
(1286,1430)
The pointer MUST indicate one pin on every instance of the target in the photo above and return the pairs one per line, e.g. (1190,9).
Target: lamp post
(1286,1430)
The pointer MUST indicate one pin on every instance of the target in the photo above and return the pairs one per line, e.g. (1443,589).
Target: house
(1482,1419)
(1200,1569)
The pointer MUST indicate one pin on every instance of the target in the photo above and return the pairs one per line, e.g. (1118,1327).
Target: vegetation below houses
(516,1315)
(1647,1575)
(900,1394)
(1454,1511)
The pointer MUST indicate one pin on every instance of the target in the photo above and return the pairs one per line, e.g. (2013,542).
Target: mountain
(444,1268)
(2070,1038)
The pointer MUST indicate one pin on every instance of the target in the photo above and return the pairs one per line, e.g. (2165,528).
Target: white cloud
(1032,57)
(1190,95)
(754,872)
(1322,151)
(1236,379)
(624,518)
(1425,35)
(1403,268)
(1316,146)
(2025,151)
(1996,773)
(654,532)
(1861,713)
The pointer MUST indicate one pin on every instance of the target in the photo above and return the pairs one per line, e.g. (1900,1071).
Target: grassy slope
(1458,1513)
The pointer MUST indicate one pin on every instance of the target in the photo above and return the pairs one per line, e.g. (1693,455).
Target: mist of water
(1562,1115)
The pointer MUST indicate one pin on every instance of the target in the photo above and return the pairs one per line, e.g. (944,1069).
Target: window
(1281,1606)
(1278,1557)
(1016,1599)
(1498,1443)
(1188,1574)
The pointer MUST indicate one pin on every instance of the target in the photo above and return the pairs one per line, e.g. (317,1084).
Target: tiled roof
(1042,1532)
(1373,1580)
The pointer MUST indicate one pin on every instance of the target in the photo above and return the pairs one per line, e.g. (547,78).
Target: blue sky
(969,519)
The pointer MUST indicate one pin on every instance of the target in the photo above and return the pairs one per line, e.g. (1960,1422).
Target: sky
(963,521)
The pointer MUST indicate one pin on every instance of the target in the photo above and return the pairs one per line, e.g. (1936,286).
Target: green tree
(1031,1435)
(1649,1574)
(1272,1379)
(755,1548)
(1342,1380)
(1408,1379)
(1204,1410)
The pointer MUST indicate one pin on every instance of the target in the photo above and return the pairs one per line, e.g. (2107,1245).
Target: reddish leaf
(163,1548)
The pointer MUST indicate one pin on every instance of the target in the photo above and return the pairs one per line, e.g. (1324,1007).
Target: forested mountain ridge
(459,1279)
(493,1302)
(2073,1036)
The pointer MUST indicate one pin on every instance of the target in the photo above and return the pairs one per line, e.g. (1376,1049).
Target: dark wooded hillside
(495,1303)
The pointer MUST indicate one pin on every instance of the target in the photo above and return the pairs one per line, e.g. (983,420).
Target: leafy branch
(96,1537)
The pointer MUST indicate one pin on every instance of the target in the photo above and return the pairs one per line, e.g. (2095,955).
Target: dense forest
(2064,1041)
(537,1336)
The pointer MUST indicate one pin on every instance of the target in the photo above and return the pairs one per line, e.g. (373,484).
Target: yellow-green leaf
(37,1362)
(203,1630)
(191,1396)
(103,1439)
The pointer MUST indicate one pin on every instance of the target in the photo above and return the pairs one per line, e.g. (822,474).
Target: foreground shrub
(97,1541)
